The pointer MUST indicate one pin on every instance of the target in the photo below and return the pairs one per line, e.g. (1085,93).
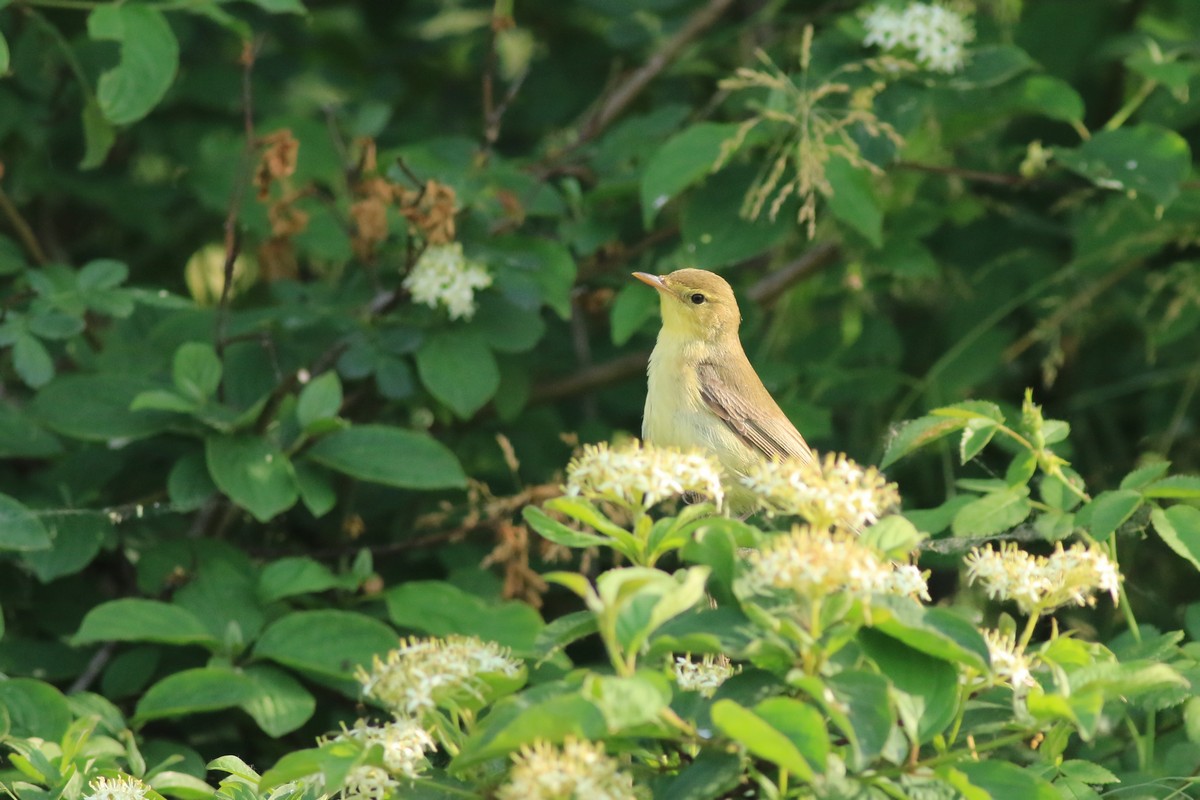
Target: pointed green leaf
(390,456)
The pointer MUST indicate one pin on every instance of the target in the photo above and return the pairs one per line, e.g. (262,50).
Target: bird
(702,391)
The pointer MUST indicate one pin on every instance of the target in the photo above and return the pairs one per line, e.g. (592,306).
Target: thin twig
(771,286)
(1091,291)
(994,178)
(233,239)
(22,229)
(616,101)
(95,666)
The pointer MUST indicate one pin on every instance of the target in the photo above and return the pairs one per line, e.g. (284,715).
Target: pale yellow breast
(676,414)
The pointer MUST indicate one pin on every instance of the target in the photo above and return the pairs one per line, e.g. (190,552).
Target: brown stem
(770,286)
(22,229)
(995,178)
(619,99)
(233,239)
(1070,308)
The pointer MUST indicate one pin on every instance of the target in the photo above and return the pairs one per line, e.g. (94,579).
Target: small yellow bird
(702,390)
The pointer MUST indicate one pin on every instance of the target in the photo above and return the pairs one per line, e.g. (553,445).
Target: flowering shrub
(320,357)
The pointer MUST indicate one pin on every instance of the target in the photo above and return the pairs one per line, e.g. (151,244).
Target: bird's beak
(657,281)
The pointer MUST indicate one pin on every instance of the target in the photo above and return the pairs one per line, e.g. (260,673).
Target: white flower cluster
(641,474)
(121,787)
(832,492)
(443,276)
(420,674)
(935,35)
(578,770)
(814,562)
(366,782)
(1008,664)
(404,742)
(705,676)
(1043,583)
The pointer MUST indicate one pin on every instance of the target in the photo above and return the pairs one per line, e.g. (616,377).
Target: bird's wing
(752,414)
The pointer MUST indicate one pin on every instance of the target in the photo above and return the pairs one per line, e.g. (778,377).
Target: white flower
(404,741)
(642,474)
(934,34)
(1043,583)
(1009,665)
(121,787)
(814,562)
(442,275)
(421,674)
(576,771)
(834,491)
(368,783)
(704,677)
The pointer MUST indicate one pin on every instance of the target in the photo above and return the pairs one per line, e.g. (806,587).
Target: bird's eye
(697,298)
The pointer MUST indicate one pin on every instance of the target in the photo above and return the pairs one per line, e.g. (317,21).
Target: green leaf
(1001,779)
(99,135)
(628,702)
(1142,477)
(76,542)
(633,305)
(289,577)
(164,400)
(549,712)
(917,433)
(458,369)
(316,488)
(894,536)
(34,709)
(196,370)
(32,361)
(1145,159)
(108,417)
(1051,97)
(441,609)
(149,59)
(101,273)
(760,737)
(189,485)
(1108,511)
(929,685)
(976,435)
(1179,528)
(993,513)
(281,6)
(326,643)
(333,760)
(853,199)
(20,529)
(565,630)
(870,713)
(1175,487)
(715,236)
(391,456)
(937,632)
(179,784)
(531,271)
(4,54)
(800,723)
(279,704)
(991,66)
(321,399)
(559,533)
(56,325)
(134,619)
(193,691)
(253,473)
(681,161)
(1087,772)
(711,774)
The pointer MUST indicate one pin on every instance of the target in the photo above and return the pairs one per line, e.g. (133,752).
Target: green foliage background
(271,479)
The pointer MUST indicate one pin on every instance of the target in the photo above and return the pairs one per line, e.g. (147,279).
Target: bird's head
(695,303)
